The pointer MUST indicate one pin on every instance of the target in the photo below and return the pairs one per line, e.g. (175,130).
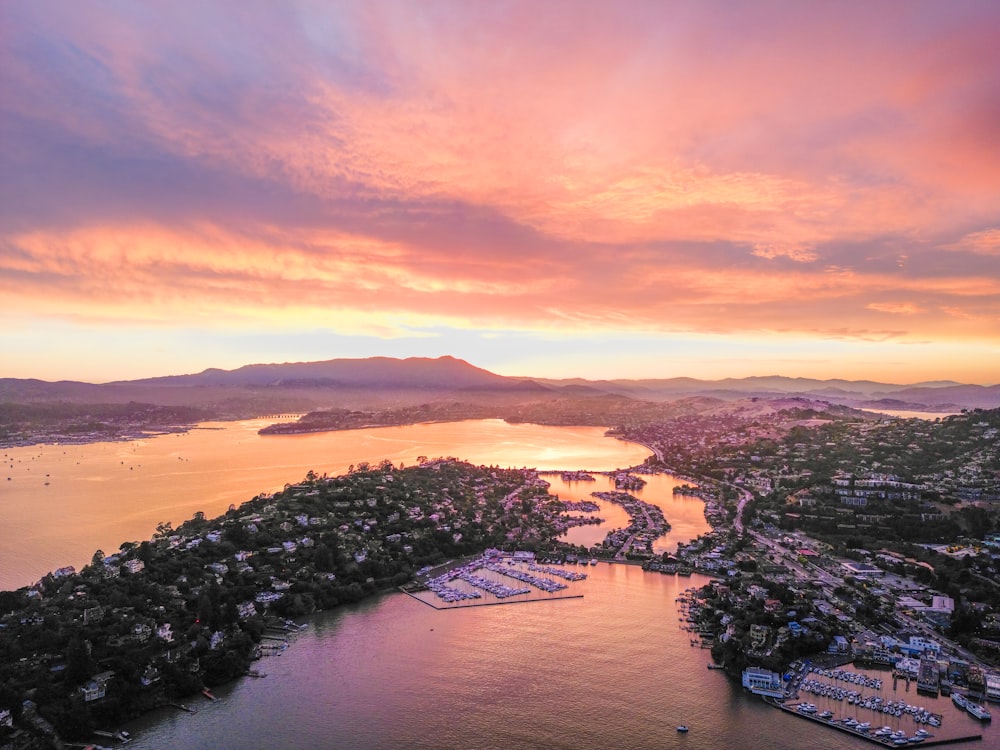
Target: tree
(323,558)
(79,665)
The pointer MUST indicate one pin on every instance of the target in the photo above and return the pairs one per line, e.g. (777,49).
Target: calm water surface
(685,514)
(609,670)
(62,503)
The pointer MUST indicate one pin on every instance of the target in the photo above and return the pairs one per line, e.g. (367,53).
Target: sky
(553,189)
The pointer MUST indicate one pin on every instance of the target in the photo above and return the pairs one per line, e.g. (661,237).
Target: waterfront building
(992,686)
(96,687)
(927,676)
(763,682)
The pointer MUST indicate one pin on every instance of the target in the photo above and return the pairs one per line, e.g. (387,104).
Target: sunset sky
(608,189)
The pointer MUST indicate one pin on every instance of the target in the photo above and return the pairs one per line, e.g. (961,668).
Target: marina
(487,580)
(860,704)
(884,736)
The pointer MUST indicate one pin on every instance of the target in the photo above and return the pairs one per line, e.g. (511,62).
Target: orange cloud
(904,308)
(985,242)
(554,167)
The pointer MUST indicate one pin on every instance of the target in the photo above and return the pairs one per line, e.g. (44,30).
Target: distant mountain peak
(412,372)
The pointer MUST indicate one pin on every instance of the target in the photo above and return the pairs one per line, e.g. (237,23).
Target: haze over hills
(377,379)
(380,391)
(930,396)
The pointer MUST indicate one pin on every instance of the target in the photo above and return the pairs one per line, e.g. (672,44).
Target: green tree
(323,558)
(79,665)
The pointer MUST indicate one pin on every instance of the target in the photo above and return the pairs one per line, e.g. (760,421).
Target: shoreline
(62,439)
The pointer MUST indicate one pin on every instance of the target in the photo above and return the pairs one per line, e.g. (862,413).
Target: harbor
(861,704)
(883,736)
(487,581)
(355,670)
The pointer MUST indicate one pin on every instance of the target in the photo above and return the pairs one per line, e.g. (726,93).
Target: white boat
(980,712)
(682,728)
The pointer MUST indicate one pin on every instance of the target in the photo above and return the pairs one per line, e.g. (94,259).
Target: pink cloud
(544,166)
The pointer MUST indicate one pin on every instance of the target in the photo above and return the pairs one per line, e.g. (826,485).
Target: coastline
(385,586)
(298,499)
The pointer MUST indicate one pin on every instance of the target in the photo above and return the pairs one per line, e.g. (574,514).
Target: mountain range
(379,382)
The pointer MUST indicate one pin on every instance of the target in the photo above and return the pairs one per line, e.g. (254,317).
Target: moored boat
(980,712)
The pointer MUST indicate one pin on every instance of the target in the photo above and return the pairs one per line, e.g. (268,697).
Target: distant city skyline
(559,189)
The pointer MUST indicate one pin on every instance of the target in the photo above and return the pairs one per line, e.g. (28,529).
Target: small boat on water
(682,728)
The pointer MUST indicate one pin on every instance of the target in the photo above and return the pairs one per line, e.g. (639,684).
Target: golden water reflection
(63,502)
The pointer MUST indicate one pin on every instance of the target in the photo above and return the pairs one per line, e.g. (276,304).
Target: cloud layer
(779,169)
